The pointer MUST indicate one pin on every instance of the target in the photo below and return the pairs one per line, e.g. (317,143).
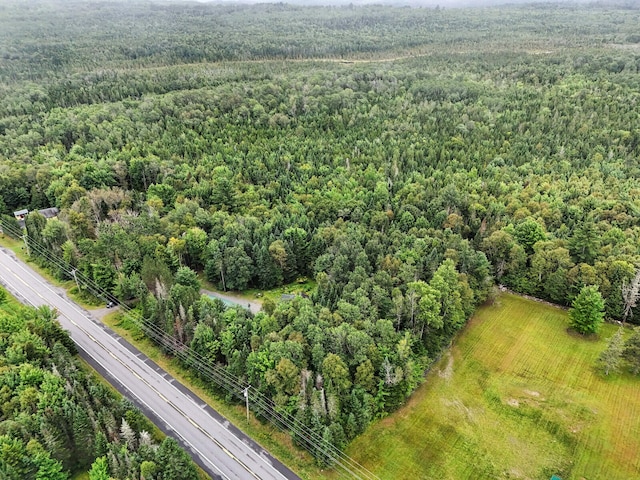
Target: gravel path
(253,305)
(100,313)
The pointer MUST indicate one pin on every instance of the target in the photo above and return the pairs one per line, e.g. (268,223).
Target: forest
(55,419)
(406,160)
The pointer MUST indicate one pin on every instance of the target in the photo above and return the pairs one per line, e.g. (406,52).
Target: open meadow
(516,397)
(365,174)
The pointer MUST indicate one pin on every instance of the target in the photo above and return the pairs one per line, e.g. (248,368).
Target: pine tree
(48,468)
(101,444)
(174,462)
(631,351)
(609,360)
(325,450)
(56,442)
(83,438)
(99,469)
(147,470)
(128,435)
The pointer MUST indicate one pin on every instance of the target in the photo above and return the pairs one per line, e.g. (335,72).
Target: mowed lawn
(516,397)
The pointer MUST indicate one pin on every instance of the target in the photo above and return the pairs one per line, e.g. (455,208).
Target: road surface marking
(115,377)
(72,305)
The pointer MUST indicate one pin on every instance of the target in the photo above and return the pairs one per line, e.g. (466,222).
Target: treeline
(406,189)
(56,420)
(249,180)
(44,40)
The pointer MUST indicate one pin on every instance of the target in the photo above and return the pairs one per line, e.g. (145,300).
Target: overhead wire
(262,405)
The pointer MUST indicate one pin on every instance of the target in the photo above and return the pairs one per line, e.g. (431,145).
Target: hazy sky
(394,2)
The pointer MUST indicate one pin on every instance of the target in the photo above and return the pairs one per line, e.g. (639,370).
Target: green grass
(516,397)
(275,441)
(302,285)
(84,299)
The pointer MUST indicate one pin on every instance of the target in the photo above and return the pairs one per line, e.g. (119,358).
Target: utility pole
(26,244)
(73,272)
(246,397)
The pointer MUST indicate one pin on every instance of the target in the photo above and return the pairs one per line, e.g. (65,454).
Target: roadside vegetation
(278,443)
(57,419)
(398,163)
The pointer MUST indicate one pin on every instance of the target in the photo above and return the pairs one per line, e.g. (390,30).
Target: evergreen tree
(631,351)
(48,468)
(83,438)
(99,469)
(609,360)
(325,449)
(173,462)
(147,470)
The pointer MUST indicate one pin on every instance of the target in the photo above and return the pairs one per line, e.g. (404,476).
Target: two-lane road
(221,449)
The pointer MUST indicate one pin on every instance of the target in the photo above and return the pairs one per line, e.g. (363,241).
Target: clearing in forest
(516,397)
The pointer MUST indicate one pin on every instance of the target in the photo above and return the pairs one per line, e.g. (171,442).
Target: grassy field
(516,397)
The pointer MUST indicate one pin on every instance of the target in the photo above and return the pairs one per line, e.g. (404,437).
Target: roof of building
(21,212)
(49,212)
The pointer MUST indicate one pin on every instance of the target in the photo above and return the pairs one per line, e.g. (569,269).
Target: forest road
(231,300)
(217,446)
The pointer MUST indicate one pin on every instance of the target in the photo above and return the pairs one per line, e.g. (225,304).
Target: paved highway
(221,449)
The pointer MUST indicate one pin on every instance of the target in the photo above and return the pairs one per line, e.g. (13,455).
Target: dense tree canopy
(404,159)
(55,419)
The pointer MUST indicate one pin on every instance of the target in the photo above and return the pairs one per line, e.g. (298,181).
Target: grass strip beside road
(518,397)
(272,439)
(276,442)
(17,247)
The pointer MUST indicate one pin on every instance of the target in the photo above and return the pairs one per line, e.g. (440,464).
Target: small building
(51,212)
(20,214)
(287,296)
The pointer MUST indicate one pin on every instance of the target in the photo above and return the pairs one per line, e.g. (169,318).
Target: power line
(218,375)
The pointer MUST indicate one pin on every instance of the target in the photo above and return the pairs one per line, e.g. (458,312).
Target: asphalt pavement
(216,445)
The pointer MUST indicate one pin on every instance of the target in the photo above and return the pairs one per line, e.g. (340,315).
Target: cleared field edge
(514,366)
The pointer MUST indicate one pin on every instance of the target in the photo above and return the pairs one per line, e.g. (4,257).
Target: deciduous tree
(587,312)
